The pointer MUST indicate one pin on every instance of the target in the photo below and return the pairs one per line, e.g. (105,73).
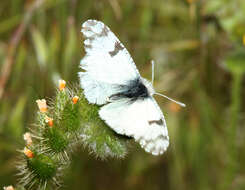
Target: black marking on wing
(91,38)
(158,122)
(117,47)
(89,27)
(134,90)
(88,46)
(104,31)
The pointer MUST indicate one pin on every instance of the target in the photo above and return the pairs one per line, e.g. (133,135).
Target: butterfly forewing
(106,63)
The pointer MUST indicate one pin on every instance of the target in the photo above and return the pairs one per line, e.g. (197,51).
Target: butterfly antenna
(179,103)
(152,71)
(152,80)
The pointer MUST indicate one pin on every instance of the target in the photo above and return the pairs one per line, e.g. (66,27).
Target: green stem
(72,124)
(232,167)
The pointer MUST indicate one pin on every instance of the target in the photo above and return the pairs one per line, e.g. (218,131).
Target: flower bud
(62,85)
(27,138)
(75,99)
(28,153)
(42,105)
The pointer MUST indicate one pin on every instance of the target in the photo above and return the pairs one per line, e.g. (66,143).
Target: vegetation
(198,47)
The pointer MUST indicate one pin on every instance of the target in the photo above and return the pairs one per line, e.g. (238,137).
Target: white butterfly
(111,79)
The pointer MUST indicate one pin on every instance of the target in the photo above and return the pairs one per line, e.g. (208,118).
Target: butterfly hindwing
(142,120)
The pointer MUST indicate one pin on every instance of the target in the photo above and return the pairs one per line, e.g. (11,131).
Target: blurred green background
(199,50)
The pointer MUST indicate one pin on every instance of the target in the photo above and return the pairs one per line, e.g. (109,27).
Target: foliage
(60,128)
(198,47)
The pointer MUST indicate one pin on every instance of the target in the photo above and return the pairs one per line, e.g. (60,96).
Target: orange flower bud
(49,121)
(8,188)
(27,138)
(243,39)
(62,85)
(42,105)
(75,99)
(28,153)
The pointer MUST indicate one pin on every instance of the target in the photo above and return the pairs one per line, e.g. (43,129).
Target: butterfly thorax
(136,89)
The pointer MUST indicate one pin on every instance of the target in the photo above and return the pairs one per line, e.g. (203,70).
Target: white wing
(107,63)
(141,119)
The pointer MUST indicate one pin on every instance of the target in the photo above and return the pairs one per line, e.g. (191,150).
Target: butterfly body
(112,80)
(137,89)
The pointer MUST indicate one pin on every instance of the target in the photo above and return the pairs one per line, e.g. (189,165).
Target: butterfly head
(149,87)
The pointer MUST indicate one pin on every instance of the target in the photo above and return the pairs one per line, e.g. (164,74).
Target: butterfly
(111,79)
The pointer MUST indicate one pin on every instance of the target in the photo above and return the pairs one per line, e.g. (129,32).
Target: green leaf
(235,62)
(70,49)
(9,23)
(16,118)
(40,47)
